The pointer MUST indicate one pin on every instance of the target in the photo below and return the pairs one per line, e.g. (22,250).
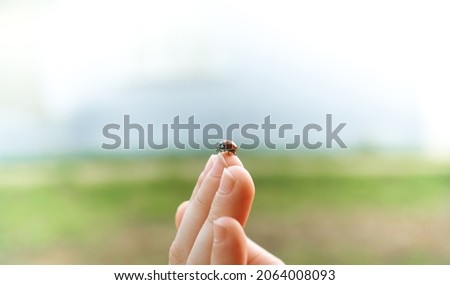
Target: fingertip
(231,159)
(220,230)
(209,163)
(242,176)
(229,246)
(219,164)
(180,213)
(235,195)
(226,223)
(244,183)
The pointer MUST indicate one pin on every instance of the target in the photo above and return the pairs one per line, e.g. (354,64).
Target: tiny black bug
(226,146)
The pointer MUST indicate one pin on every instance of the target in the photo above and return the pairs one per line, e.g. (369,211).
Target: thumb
(230,243)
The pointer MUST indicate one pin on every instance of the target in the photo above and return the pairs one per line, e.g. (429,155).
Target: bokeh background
(67,68)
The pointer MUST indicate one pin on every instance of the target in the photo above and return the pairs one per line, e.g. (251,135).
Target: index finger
(198,209)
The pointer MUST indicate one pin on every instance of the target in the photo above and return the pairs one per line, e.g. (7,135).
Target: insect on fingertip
(227,146)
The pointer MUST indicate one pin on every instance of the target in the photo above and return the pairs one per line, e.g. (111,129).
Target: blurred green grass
(354,209)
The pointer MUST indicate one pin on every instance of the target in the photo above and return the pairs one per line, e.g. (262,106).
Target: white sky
(58,59)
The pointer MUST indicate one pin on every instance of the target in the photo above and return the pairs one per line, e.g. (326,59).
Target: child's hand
(210,224)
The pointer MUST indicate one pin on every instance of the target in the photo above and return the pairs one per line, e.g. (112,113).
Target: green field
(355,209)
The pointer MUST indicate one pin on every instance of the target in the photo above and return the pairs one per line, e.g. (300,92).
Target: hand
(210,225)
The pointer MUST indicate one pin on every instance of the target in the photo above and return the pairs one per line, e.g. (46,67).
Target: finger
(230,243)
(256,254)
(183,206)
(202,175)
(180,213)
(229,159)
(234,199)
(232,159)
(259,256)
(198,209)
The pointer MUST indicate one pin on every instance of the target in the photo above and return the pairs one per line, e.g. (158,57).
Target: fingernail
(220,232)
(227,182)
(219,165)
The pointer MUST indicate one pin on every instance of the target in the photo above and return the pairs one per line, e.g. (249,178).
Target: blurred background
(68,68)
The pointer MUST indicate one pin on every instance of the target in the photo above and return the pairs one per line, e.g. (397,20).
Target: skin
(211,224)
